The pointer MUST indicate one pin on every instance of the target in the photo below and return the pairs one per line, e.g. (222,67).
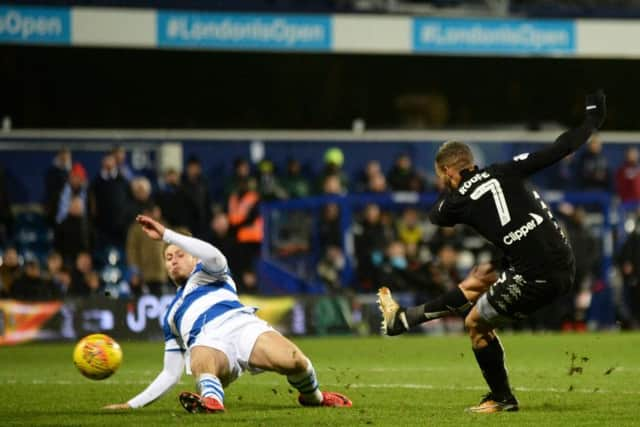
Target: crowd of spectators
(90,215)
(591,171)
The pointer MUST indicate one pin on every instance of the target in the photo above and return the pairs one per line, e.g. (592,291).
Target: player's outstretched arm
(569,141)
(151,227)
(212,259)
(170,375)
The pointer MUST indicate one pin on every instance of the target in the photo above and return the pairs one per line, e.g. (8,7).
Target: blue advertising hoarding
(493,36)
(239,31)
(38,25)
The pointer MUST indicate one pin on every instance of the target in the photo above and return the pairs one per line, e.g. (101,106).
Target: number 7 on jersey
(494,186)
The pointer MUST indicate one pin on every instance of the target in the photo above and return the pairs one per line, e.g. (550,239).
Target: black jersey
(501,206)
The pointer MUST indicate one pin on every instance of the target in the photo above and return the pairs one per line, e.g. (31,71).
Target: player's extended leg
(397,320)
(490,357)
(210,367)
(273,352)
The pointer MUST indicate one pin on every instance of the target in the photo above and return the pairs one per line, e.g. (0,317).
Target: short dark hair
(454,153)
(193,159)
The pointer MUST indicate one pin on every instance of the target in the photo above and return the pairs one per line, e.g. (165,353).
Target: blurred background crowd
(82,239)
(337,203)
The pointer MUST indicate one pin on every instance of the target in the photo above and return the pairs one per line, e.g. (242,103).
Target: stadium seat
(32,234)
(110,256)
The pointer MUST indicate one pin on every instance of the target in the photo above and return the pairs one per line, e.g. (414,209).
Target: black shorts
(514,297)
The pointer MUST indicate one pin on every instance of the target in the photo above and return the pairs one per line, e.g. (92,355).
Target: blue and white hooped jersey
(206,297)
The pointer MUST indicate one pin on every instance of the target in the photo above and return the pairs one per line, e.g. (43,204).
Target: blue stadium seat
(32,234)
(111,274)
(113,256)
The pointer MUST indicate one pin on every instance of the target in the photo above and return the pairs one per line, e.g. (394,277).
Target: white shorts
(235,337)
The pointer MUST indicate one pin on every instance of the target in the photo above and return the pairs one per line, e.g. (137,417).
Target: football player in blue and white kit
(218,337)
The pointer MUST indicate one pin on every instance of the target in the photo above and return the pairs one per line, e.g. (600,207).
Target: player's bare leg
(478,281)
(273,352)
(490,357)
(210,367)
(397,320)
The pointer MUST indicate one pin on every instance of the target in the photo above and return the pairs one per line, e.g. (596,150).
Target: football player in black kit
(500,205)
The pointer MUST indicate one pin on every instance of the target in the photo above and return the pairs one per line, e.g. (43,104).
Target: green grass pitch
(560,380)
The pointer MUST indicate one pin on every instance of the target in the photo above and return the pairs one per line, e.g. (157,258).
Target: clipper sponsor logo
(469,183)
(35,25)
(521,233)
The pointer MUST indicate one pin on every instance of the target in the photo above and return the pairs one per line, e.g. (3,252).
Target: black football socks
(491,362)
(451,302)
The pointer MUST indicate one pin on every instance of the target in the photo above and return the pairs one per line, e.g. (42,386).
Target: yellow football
(97,356)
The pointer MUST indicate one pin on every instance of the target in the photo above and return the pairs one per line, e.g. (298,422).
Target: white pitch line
(348,370)
(353,385)
(480,388)
(327,371)
(448,368)
(81,382)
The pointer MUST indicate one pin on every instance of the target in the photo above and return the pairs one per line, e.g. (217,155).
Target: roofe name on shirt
(469,183)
